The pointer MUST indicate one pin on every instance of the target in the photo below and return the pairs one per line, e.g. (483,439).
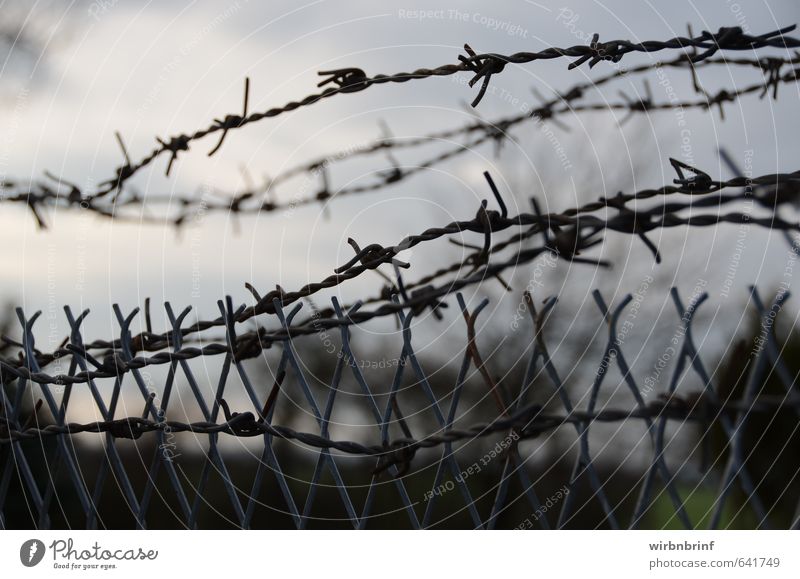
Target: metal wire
(62,194)
(566,234)
(482,65)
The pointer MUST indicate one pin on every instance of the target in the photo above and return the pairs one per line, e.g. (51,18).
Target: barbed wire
(483,66)
(257,199)
(565,235)
(528,422)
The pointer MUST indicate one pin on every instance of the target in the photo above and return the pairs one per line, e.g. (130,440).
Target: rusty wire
(566,234)
(484,66)
(530,422)
(63,194)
